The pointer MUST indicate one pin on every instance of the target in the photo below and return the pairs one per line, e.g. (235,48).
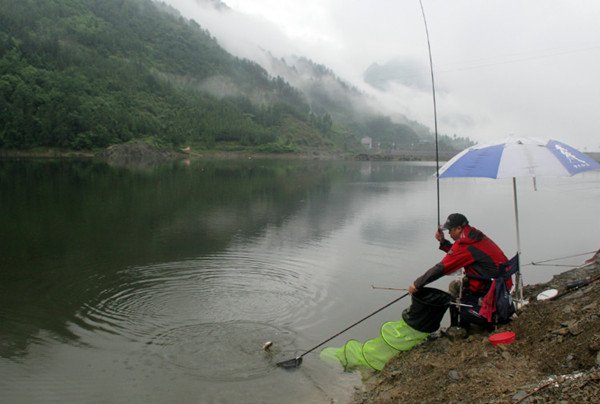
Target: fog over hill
(255,38)
(501,66)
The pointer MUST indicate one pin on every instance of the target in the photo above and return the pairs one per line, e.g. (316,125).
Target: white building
(367,142)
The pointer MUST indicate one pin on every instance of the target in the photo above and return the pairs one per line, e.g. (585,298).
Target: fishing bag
(427,309)
(505,307)
(498,306)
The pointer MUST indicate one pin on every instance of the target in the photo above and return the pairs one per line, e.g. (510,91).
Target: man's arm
(436,271)
(432,274)
(451,262)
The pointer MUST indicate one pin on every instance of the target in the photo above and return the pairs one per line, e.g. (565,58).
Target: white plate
(547,294)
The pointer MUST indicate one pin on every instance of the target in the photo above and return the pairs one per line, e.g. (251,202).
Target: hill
(84,74)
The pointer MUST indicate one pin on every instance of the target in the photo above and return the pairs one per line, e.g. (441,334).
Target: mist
(501,67)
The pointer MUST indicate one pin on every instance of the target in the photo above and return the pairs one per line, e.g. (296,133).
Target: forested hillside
(82,74)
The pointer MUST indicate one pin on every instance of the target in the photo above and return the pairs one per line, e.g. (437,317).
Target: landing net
(394,337)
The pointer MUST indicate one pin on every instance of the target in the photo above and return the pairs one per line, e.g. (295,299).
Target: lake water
(162,284)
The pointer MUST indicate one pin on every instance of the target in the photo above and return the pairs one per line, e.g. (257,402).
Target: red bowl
(502,338)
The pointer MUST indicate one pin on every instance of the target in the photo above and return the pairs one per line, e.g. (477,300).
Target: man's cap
(454,220)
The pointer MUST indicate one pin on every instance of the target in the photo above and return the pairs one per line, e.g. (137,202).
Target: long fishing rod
(437,155)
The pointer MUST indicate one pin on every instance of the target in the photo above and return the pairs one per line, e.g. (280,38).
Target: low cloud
(501,66)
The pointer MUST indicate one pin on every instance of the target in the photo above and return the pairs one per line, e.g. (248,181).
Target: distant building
(367,142)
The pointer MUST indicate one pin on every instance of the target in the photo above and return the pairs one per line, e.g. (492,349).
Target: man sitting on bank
(479,256)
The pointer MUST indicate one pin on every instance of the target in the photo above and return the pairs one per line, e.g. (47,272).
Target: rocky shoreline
(555,358)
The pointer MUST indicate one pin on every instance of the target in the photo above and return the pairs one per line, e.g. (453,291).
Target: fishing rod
(437,155)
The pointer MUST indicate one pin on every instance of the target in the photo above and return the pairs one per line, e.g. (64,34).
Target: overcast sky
(528,68)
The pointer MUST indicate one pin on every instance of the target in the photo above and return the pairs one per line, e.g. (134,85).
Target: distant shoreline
(397,155)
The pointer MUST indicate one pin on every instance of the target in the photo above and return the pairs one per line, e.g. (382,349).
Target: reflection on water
(163,284)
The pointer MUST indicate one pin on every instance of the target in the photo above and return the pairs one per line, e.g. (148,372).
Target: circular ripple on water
(227,351)
(250,286)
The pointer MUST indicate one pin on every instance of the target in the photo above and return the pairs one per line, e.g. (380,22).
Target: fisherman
(479,256)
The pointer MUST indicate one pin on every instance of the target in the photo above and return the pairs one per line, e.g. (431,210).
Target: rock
(519,395)
(454,375)
(136,154)
(456,333)
(575,329)
(598,359)
(591,306)
(594,343)
(575,295)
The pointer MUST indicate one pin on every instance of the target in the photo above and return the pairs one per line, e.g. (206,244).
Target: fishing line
(437,155)
(516,60)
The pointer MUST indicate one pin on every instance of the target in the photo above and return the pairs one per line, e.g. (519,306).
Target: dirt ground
(556,356)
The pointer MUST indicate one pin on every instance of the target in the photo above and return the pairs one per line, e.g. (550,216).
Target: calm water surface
(161,284)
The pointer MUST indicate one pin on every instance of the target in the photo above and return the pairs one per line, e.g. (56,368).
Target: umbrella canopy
(518,157)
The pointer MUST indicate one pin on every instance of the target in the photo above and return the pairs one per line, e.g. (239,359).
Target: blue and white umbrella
(518,157)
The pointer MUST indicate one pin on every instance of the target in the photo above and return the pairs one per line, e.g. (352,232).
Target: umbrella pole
(518,277)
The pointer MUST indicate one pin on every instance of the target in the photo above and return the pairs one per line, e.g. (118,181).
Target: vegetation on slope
(84,74)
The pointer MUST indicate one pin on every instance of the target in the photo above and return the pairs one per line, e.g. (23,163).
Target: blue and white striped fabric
(518,157)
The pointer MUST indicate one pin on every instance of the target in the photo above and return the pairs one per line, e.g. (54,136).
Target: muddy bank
(248,154)
(46,154)
(556,356)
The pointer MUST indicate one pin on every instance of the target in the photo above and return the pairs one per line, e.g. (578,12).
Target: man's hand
(439,235)
(412,288)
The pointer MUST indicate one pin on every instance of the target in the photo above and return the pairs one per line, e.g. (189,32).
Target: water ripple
(244,285)
(227,351)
